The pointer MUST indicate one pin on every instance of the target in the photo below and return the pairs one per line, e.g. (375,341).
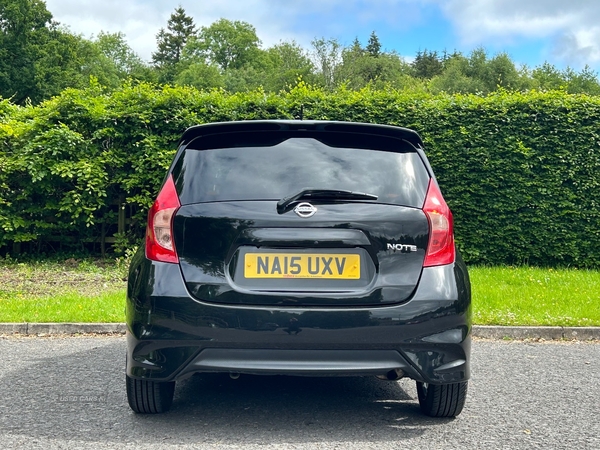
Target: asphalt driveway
(68,392)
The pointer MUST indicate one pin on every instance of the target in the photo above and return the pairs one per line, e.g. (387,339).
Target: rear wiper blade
(309,193)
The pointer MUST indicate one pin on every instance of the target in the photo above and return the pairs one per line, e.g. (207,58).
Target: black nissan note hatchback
(299,248)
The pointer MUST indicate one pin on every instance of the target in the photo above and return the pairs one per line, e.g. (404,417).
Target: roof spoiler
(299,125)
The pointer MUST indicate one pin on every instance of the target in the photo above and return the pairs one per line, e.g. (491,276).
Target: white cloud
(274,20)
(571,26)
(141,20)
(568,28)
(577,48)
(138,20)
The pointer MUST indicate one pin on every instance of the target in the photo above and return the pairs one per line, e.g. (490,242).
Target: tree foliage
(227,44)
(427,64)
(327,57)
(171,42)
(373,46)
(361,67)
(288,63)
(201,76)
(25,30)
(126,62)
(478,74)
(39,58)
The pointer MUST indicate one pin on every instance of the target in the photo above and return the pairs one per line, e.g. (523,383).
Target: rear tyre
(149,397)
(446,400)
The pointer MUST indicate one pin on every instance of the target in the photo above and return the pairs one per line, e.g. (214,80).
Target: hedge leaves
(521,171)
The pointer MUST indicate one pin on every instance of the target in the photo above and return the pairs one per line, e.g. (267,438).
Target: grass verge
(534,296)
(62,291)
(94,291)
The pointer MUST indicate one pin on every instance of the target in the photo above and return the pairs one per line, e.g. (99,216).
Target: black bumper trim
(298,362)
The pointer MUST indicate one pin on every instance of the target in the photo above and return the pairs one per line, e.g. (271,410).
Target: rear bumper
(171,335)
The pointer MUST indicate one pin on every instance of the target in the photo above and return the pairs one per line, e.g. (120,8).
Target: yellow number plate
(302,265)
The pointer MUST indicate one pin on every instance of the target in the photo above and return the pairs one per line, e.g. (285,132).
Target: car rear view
(299,248)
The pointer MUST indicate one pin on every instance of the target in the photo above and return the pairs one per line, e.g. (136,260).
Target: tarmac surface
(68,392)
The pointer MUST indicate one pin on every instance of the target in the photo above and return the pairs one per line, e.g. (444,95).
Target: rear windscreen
(230,167)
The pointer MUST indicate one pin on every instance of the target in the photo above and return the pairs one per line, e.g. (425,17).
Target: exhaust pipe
(234,375)
(392,375)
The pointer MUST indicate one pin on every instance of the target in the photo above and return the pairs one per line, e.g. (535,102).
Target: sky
(561,32)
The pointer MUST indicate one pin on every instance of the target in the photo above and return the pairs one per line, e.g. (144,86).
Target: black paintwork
(168,329)
(210,129)
(211,239)
(200,315)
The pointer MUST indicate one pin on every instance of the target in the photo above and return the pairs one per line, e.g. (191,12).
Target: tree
(478,74)
(547,77)
(359,69)
(455,78)
(427,64)
(498,71)
(24,29)
(373,46)
(585,81)
(227,44)
(171,42)
(228,54)
(356,47)
(38,58)
(201,76)
(68,60)
(327,57)
(127,63)
(369,66)
(288,62)
(503,73)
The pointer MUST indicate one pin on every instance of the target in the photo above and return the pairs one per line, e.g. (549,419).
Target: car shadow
(81,397)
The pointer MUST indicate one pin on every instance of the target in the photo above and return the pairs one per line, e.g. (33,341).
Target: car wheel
(446,400)
(149,397)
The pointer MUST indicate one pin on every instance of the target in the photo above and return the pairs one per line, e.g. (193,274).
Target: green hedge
(521,172)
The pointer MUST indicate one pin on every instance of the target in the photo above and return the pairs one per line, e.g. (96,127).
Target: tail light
(159,232)
(440,249)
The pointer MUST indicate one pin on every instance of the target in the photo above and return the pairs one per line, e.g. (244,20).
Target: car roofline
(300,125)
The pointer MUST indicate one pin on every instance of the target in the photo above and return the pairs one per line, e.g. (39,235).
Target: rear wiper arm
(309,193)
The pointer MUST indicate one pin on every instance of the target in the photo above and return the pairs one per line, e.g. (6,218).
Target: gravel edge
(479,331)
